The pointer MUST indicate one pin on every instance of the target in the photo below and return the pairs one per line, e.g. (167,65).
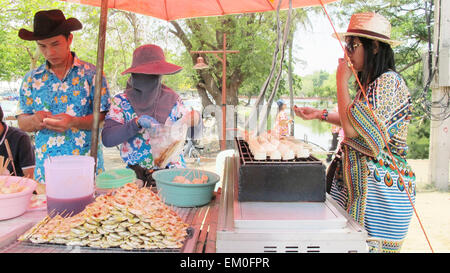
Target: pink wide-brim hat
(150,59)
(369,25)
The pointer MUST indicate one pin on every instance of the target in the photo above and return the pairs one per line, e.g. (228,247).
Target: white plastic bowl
(15,204)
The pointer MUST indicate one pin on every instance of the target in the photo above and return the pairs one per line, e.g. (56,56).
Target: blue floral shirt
(138,149)
(42,90)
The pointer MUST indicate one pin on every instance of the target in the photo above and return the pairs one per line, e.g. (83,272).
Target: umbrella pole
(224,94)
(98,79)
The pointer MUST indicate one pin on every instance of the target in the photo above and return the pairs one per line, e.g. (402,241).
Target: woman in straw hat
(145,106)
(365,180)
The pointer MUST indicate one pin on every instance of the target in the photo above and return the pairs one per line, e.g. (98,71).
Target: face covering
(148,96)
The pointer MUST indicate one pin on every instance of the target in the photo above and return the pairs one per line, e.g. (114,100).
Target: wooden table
(204,221)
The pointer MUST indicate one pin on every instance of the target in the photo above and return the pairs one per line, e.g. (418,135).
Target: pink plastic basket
(15,204)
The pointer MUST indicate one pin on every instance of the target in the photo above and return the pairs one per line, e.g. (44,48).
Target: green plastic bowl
(185,195)
(115,178)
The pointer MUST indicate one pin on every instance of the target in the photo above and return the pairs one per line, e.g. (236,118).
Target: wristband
(324,116)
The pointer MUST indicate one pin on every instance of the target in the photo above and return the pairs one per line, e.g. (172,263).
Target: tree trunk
(291,90)
(266,110)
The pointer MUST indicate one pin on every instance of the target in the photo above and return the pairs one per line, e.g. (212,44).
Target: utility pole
(439,132)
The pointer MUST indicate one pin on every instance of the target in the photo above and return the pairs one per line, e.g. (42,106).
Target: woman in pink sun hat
(364,179)
(146,104)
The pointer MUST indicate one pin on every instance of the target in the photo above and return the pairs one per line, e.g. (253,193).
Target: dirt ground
(431,205)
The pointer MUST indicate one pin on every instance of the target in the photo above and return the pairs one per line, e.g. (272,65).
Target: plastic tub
(15,204)
(69,183)
(113,179)
(185,195)
(69,176)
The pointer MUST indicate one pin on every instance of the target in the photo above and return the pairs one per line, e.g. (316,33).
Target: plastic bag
(167,142)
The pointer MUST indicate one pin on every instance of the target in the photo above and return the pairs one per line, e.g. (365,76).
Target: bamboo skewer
(42,223)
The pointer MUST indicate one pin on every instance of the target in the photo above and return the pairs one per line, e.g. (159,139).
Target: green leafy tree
(19,56)
(252,34)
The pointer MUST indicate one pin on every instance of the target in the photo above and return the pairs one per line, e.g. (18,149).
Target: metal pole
(224,52)
(224,93)
(98,79)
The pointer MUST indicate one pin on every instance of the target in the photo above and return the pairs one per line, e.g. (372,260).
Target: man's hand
(38,119)
(59,123)
(32,122)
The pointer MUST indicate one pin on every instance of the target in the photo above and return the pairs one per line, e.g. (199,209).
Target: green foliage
(320,84)
(16,54)
(254,36)
(419,139)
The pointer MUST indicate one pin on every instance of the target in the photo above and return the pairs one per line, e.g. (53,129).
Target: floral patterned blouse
(138,150)
(42,90)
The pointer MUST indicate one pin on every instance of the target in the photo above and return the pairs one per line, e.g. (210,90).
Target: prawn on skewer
(130,218)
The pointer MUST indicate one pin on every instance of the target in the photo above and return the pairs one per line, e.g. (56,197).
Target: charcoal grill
(298,179)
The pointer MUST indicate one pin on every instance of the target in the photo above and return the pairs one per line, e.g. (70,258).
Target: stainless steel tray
(16,246)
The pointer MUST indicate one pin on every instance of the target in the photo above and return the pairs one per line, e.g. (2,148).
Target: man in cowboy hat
(146,104)
(56,99)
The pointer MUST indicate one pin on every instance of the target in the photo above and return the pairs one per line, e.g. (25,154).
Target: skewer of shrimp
(27,235)
(56,224)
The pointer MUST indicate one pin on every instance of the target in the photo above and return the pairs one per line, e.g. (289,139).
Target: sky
(316,47)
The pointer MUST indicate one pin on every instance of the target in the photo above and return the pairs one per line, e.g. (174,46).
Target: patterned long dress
(366,182)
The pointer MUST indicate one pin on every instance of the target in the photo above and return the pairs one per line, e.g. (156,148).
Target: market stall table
(203,220)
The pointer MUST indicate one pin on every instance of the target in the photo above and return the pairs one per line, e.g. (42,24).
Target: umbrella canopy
(177,9)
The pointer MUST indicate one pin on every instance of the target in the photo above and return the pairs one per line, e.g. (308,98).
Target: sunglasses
(352,47)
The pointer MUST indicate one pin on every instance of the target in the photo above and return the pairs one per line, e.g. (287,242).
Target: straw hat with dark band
(49,23)
(369,25)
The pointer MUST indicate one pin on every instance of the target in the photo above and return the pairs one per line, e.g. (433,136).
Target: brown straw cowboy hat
(49,23)
(149,59)
(369,25)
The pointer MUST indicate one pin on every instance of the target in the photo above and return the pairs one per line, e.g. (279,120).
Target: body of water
(314,132)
